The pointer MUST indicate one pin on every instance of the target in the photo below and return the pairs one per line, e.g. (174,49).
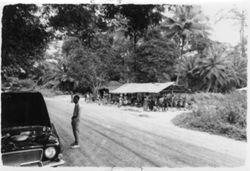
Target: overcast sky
(225,30)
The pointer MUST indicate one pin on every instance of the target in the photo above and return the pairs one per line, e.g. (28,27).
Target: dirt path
(112,136)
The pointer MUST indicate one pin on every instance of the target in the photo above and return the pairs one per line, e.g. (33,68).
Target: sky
(226,30)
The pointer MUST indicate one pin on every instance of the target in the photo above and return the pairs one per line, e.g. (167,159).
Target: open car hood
(24,109)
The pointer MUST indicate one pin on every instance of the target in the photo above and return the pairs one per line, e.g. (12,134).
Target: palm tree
(216,69)
(188,67)
(187,21)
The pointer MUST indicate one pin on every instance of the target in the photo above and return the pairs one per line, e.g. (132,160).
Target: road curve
(112,137)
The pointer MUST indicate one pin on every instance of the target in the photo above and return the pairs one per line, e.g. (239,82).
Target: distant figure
(163,103)
(109,98)
(120,101)
(184,102)
(75,121)
(98,99)
(145,103)
(87,98)
(105,98)
(151,104)
(125,100)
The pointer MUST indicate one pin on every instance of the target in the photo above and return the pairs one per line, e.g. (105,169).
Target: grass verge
(217,114)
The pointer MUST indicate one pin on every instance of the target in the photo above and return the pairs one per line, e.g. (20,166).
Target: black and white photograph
(124,85)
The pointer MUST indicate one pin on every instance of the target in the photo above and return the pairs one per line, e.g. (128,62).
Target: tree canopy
(137,18)
(125,43)
(24,39)
(156,59)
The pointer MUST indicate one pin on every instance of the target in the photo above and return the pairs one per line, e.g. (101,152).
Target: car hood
(23,109)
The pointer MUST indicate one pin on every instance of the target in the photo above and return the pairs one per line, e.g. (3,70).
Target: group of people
(162,103)
(154,102)
(147,101)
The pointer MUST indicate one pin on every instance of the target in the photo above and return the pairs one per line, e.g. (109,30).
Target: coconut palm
(216,69)
(187,67)
(186,22)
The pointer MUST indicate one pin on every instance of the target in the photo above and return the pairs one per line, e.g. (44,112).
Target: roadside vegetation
(16,84)
(97,44)
(221,114)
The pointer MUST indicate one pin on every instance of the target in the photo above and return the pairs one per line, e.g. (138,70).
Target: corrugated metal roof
(142,88)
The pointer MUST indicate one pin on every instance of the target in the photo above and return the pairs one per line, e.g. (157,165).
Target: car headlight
(50,152)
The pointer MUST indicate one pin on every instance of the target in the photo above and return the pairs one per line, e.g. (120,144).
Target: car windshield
(23,109)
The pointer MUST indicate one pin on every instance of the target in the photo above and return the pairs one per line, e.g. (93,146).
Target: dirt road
(119,137)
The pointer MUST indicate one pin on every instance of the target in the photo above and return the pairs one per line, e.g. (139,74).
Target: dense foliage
(155,59)
(125,43)
(24,40)
(139,18)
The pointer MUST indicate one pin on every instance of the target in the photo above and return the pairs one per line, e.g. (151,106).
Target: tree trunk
(177,79)
(95,91)
(182,48)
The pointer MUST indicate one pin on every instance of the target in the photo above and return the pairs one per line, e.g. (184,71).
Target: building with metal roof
(131,88)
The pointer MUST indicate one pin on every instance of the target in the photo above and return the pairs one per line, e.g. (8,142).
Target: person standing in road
(75,121)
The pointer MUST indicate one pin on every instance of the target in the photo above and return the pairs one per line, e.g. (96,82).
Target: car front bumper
(44,164)
(53,163)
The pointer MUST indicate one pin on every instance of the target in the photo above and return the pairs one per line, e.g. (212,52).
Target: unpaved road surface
(121,137)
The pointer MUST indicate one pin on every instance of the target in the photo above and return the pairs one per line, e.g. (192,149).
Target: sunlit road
(110,137)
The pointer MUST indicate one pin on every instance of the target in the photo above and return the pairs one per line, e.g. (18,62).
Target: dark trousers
(75,127)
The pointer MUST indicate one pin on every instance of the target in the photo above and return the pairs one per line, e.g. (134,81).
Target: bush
(16,84)
(235,108)
(48,92)
(205,98)
(217,113)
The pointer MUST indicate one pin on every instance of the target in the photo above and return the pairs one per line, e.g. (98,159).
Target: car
(28,136)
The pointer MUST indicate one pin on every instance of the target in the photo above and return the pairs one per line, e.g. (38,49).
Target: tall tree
(138,18)
(24,39)
(92,67)
(132,21)
(78,21)
(156,58)
(186,22)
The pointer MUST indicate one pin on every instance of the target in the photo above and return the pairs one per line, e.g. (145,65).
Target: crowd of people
(149,102)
